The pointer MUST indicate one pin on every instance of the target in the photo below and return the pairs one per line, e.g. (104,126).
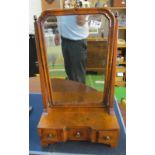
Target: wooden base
(78,124)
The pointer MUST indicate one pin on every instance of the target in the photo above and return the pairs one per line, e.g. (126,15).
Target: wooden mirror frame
(110,71)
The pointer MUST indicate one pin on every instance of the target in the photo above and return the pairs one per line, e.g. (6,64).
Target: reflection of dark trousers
(75,54)
(33,69)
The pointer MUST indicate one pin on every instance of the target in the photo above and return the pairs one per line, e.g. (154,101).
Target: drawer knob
(51,136)
(107,138)
(78,134)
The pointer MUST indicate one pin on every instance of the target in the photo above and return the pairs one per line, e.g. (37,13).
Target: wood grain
(79,124)
(75,111)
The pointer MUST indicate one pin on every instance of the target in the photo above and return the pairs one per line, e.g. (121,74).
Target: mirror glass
(76,49)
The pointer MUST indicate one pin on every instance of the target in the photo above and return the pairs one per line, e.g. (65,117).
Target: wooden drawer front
(50,135)
(107,137)
(78,134)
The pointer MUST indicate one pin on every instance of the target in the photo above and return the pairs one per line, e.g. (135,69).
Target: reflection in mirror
(76,47)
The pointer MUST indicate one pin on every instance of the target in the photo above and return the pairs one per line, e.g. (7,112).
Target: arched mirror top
(101,49)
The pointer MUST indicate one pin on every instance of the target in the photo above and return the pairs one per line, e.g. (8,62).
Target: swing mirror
(65,91)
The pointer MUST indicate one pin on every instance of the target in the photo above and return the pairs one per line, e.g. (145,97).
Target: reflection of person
(74,31)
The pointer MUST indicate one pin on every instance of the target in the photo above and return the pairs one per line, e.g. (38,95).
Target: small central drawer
(78,134)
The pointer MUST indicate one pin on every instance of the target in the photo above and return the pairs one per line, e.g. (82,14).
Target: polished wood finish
(78,124)
(42,52)
(113,67)
(73,111)
(121,46)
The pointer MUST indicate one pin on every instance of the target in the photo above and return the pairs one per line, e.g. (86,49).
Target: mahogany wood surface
(75,111)
(43,54)
(97,118)
(82,124)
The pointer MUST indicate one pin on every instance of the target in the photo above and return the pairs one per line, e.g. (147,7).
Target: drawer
(107,137)
(78,134)
(50,135)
